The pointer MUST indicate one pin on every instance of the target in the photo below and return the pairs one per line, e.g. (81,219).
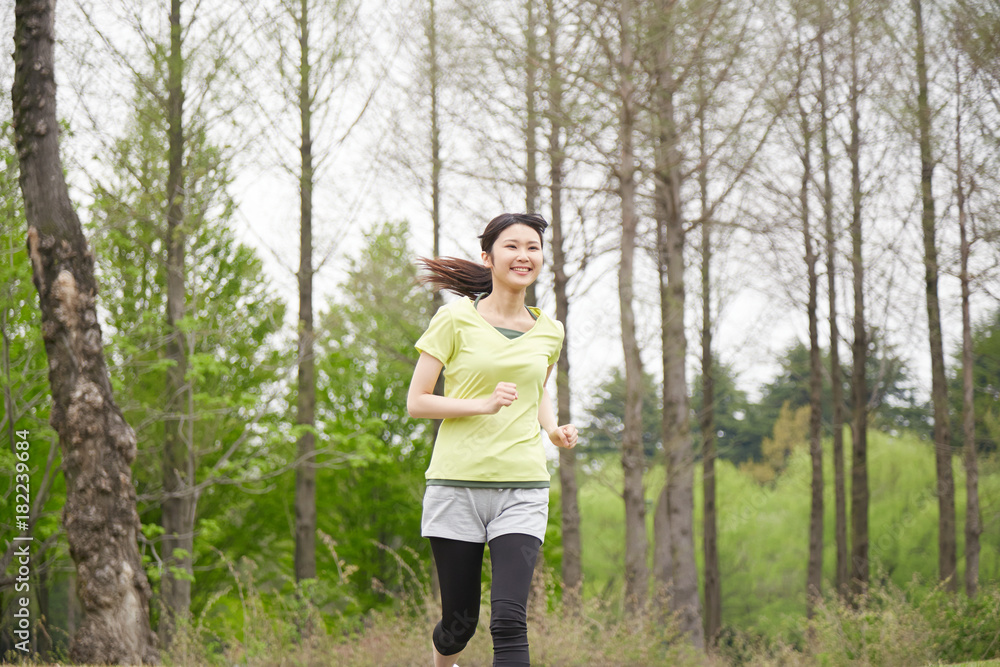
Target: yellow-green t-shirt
(490,450)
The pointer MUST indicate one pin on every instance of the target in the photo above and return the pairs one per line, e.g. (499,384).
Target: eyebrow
(511,240)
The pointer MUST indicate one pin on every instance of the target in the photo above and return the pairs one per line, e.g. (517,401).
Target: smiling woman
(487,482)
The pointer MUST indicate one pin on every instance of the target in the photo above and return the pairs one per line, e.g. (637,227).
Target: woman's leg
(513,557)
(460,571)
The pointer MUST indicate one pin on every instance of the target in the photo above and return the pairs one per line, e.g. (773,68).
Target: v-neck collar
(482,319)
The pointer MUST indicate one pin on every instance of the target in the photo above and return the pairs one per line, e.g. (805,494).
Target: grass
(905,619)
(763,529)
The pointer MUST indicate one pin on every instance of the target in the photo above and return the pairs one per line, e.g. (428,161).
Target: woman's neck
(505,304)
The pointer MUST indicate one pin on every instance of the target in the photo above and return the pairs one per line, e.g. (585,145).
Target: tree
(230,317)
(859,347)
(100,512)
(572,561)
(947,558)
(678,495)
(790,430)
(973,520)
(636,570)
(837,395)
(891,401)
(706,411)
(814,570)
(532,65)
(434,84)
(366,342)
(184,82)
(739,425)
(985,342)
(305,394)
(179,503)
(607,417)
(316,51)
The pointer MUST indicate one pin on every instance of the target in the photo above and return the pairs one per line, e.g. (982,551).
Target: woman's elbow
(412,407)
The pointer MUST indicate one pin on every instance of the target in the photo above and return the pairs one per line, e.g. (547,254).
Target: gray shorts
(479,515)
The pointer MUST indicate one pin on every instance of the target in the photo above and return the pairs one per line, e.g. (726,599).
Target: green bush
(895,626)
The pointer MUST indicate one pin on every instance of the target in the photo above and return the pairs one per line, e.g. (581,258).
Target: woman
(487,482)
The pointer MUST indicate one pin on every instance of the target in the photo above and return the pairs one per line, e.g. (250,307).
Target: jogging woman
(487,482)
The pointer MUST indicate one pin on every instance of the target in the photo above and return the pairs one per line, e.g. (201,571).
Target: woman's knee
(508,620)
(451,635)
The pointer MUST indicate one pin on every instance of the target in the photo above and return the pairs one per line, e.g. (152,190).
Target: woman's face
(516,258)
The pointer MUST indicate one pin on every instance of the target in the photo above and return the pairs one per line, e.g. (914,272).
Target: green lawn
(763,529)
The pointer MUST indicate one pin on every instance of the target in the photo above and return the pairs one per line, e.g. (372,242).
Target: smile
(521,269)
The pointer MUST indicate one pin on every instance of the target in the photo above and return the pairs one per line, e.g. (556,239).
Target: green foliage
(892,403)
(763,530)
(985,387)
(365,362)
(25,369)
(790,431)
(740,428)
(231,322)
(909,625)
(962,628)
(607,417)
(25,405)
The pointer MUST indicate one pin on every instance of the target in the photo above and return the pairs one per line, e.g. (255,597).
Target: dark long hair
(466,278)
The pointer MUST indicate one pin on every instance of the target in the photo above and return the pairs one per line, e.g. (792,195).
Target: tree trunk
(859,347)
(713,584)
(305,471)
(98,446)
(572,566)
(636,571)
(179,501)
(531,61)
(178,450)
(434,76)
(676,430)
(973,520)
(840,500)
(947,558)
(663,550)
(814,569)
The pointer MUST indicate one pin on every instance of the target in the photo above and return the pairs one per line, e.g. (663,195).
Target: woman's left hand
(564,436)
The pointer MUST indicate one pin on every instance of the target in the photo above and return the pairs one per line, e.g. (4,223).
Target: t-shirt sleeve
(554,355)
(439,338)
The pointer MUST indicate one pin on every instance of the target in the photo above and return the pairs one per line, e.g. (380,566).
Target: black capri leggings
(460,566)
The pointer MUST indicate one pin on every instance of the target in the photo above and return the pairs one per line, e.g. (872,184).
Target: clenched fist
(503,395)
(564,436)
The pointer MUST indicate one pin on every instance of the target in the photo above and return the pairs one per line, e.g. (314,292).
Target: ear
(486,260)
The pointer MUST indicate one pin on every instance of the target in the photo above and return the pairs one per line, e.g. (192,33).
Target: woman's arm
(422,403)
(546,413)
(561,436)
